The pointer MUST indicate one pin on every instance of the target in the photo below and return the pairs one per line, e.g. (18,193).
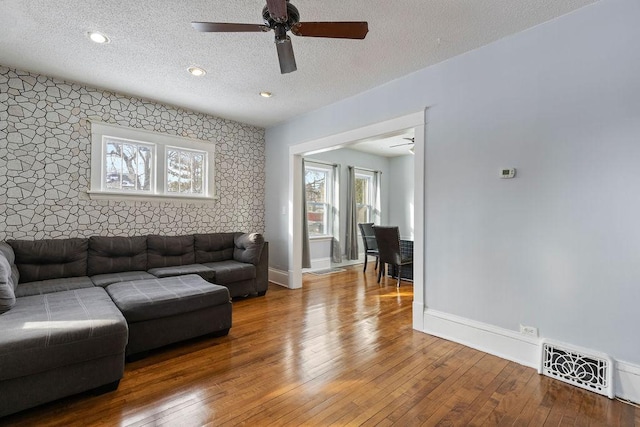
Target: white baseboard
(484,337)
(279,277)
(318,264)
(512,346)
(626,379)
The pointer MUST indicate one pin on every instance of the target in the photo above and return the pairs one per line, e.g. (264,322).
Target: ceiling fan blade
(285,56)
(220,27)
(338,30)
(277,10)
(400,145)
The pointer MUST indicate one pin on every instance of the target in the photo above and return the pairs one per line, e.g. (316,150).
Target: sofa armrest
(248,248)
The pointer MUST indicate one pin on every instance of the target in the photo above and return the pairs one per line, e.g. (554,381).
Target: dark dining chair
(369,240)
(388,239)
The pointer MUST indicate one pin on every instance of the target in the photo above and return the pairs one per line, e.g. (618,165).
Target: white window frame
(369,176)
(161,141)
(309,165)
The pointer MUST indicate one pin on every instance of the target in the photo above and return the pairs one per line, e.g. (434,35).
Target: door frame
(417,121)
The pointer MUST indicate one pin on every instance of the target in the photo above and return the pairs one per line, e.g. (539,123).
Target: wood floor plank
(341,351)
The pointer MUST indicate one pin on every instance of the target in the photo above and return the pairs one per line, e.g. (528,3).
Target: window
(318,190)
(364,196)
(132,162)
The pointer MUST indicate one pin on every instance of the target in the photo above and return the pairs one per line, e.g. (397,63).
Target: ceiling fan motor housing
(293,17)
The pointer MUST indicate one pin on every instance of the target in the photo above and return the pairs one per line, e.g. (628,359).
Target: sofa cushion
(7,295)
(116,254)
(141,300)
(43,332)
(53,285)
(125,276)
(232,271)
(7,251)
(179,270)
(51,258)
(214,247)
(167,251)
(248,248)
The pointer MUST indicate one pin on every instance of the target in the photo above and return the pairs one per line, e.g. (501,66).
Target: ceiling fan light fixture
(196,71)
(98,37)
(266,94)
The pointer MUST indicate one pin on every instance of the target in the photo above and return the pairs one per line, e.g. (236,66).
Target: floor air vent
(582,368)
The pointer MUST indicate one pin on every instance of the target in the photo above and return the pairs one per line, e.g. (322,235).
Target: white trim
(137,197)
(514,346)
(344,139)
(279,277)
(159,142)
(626,380)
(491,339)
(318,264)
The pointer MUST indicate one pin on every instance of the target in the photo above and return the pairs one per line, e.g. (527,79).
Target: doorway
(417,122)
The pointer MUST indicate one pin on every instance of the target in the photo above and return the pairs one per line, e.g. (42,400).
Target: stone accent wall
(45,158)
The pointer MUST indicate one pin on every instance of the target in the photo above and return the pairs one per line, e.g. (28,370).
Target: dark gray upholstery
(199,269)
(53,285)
(248,248)
(44,332)
(154,298)
(57,345)
(232,271)
(7,294)
(214,247)
(125,276)
(116,254)
(8,253)
(168,251)
(50,259)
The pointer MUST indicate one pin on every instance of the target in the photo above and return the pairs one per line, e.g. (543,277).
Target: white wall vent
(583,368)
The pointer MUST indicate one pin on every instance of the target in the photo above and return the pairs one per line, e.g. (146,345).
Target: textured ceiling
(152,45)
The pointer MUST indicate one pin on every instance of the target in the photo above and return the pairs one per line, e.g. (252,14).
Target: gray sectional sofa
(72,309)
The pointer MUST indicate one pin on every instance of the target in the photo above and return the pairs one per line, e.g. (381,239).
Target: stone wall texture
(45,158)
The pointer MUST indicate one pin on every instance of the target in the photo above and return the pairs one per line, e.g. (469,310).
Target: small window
(318,192)
(128,162)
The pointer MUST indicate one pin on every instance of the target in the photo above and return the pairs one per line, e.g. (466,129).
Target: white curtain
(306,256)
(351,240)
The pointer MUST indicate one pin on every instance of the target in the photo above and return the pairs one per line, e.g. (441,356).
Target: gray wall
(45,152)
(558,247)
(401,188)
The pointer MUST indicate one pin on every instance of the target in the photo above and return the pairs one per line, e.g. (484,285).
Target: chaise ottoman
(59,344)
(162,311)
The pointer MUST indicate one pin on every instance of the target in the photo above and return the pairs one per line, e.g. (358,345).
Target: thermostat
(507,173)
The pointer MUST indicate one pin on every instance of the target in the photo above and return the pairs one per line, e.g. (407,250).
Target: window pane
(185,171)
(318,208)
(127,166)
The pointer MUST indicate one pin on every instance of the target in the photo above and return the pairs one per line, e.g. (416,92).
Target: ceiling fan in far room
(281,16)
(411,143)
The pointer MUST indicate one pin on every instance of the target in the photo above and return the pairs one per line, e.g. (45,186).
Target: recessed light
(97,37)
(197,71)
(266,94)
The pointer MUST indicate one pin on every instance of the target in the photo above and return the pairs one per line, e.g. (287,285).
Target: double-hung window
(364,196)
(319,193)
(129,162)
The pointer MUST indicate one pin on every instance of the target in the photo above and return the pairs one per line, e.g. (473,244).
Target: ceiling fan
(413,140)
(281,16)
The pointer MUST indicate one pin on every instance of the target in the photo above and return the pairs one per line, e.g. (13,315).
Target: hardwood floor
(340,351)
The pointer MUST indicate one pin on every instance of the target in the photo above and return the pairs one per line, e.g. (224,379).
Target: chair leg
(380,272)
(376,267)
(365,263)
(399,275)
